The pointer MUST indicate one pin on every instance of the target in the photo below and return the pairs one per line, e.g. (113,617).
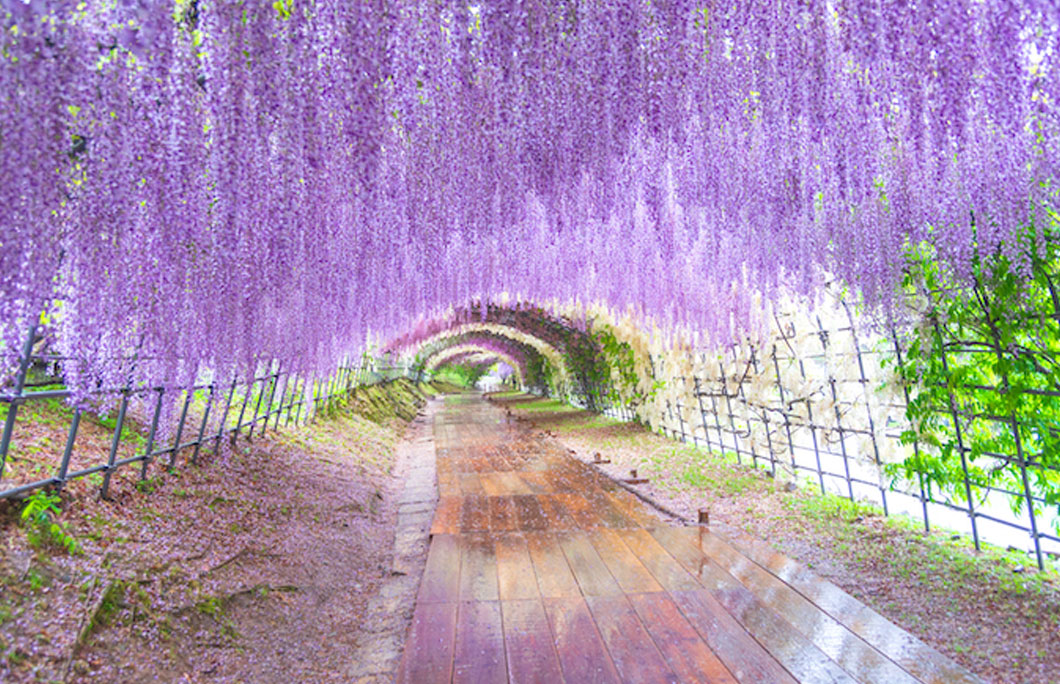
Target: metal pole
(823,336)
(68,451)
(272,396)
(151,434)
(224,416)
(784,408)
(279,406)
(868,411)
(180,425)
(916,442)
(104,491)
(20,384)
(728,403)
(960,439)
(243,409)
(702,413)
(202,428)
(257,406)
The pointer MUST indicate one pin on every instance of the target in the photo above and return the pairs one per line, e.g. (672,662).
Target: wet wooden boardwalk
(542,570)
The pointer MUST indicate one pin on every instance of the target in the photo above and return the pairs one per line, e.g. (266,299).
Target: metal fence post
(12,407)
(224,415)
(279,406)
(863,378)
(104,491)
(257,405)
(960,440)
(728,404)
(68,451)
(272,396)
(784,412)
(148,452)
(838,415)
(202,427)
(188,394)
(243,409)
(702,412)
(916,442)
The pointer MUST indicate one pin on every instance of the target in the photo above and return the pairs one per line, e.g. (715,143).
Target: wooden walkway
(542,570)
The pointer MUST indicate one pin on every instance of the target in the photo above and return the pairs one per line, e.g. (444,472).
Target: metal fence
(208,411)
(817,404)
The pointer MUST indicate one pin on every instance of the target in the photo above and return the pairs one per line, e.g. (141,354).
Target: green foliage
(989,354)
(461,374)
(39,516)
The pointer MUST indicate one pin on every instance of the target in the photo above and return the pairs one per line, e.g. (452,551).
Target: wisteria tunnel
(551,340)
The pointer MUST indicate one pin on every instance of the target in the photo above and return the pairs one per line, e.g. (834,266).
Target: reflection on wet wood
(447,515)
(542,570)
(442,575)
(771,610)
(680,644)
(515,571)
(428,653)
(478,657)
(554,577)
(478,569)
(528,643)
(629,572)
(593,577)
(582,654)
(634,653)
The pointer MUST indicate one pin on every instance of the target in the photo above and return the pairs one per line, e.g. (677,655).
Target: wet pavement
(541,569)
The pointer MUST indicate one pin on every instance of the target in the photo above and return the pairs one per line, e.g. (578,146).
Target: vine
(982,366)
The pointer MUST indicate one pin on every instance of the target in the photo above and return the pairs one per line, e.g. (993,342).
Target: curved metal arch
(436,343)
(447,354)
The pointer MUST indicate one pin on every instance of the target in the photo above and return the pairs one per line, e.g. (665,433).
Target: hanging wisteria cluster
(216,181)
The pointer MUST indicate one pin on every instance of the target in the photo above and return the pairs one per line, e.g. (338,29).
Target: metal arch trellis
(271,394)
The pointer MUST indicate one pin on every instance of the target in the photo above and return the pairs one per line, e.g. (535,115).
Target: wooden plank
(515,570)
(629,572)
(478,657)
(492,484)
(745,658)
(528,643)
(528,513)
(680,644)
(441,576)
(583,657)
(555,513)
(785,643)
(593,577)
(605,509)
(578,510)
(478,568)
(666,570)
(428,653)
(554,576)
(538,482)
(448,485)
(513,484)
(502,514)
(447,515)
(632,650)
(470,483)
(634,508)
(475,514)
(732,575)
(907,651)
